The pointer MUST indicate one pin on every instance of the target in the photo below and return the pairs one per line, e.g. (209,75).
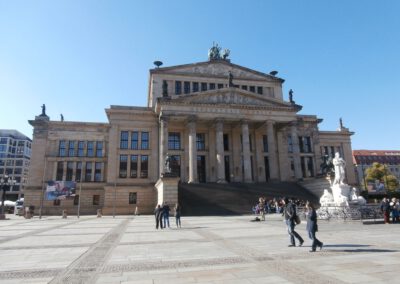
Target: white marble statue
(339,165)
(326,199)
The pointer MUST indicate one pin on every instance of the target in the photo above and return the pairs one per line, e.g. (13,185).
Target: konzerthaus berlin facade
(217,121)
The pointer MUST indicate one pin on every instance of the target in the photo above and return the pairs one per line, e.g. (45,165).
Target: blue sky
(341,58)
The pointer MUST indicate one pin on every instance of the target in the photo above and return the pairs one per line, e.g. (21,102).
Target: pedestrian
(312,227)
(178,215)
(166,211)
(394,207)
(289,212)
(261,206)
(385,208)
(157,215)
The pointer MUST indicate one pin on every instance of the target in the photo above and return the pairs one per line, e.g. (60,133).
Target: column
(219,140)
(163,142)
(272,157)
(296,151)
(192,151)
(246,152)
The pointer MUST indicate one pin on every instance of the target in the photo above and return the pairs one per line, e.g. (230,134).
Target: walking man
(289,212)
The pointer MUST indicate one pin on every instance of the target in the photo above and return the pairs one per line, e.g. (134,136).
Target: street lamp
(5,181)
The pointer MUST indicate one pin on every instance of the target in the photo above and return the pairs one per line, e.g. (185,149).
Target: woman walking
(312,227)
(178,215)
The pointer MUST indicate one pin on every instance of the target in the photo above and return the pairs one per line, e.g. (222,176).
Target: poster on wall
(60,189)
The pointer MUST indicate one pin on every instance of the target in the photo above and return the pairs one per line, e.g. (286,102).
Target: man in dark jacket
(158,212)
(289,213)
(385,208)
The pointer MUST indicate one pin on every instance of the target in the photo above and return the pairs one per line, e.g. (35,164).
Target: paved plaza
(128,249)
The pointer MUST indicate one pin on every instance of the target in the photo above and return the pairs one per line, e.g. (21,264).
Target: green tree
(380,172)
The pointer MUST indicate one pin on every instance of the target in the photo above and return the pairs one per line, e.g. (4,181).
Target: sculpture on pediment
(230,79)
(214,53)
(341,123)
(61,117)
(43,110)
(225,54)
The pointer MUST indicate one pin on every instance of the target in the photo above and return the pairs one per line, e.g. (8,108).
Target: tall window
(226,142)
(200,141)
(60,170)
(220,86)
(174,141)
(134,140)
(212,86)
(186,87)
(301,144)
(70,170)
(265,143)
(178,87)
(203,87)
(252,89)
(96,199)
(195,87)
(259,90)
(71,148)
(90,149)
(124,140)
(78,171)
(290,144)
(99,149)
(244,87)
(97,171)
(134,166)
(307,144)
(175,165)
(132,197)
(81,148)
(144,166)
(88,171)
(61,148)
(144,144)
(123,166)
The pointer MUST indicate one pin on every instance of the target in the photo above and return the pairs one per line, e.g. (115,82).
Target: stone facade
(212,129)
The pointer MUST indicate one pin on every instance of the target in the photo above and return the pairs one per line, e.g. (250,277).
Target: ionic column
(246,152)
(296,152)
(272,157)
(219,141)
(192,151)
(163,142)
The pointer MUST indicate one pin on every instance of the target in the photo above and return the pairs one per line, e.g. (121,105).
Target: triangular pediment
(232,97)
(217,68)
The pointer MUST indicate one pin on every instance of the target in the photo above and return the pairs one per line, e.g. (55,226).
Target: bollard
(27,213)
(136,211)
(64,214)
(99,215)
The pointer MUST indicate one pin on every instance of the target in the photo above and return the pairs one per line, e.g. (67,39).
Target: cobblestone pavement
(128,249)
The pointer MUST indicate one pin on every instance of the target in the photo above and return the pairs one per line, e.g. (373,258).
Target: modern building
(217,122)
(15,155)
(363,159)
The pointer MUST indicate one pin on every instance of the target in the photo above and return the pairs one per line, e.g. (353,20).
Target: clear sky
(341,58)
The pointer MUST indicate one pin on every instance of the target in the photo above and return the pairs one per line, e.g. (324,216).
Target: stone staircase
(209,199)
(316,186)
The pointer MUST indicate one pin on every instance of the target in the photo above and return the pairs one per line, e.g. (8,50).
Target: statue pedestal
(341,194)
(167,189)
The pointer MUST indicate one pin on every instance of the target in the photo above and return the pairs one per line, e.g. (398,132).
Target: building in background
(215,120)
(15,155)
(363,159)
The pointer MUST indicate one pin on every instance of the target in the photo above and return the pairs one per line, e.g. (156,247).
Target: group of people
(162,213)
(390,208)
(275,205)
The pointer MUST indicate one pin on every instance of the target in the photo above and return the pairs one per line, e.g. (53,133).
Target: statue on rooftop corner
(341,123)
(43,109)
(291,96)
(225,54)
(62,117)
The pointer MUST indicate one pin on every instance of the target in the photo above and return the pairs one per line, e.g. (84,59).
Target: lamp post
(5,181)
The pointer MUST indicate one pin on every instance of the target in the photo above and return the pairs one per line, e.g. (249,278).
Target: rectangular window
(174,141)
(96,199)
(144,166)
(200,141)
(132,197)
(19,163)
(60,170)
(186,87)
(71,148)
(97,171)
(124,140)
(307,144)
(70,170)
(99,149)
(310,166)
(220,86)
(226,142)
(290,144)
(61,148)
(265,143)
(134,140)
(252,89)
(88,171)
(78,171)
(134,166)
(76,199)
(301,144)
(81,148)
(195,87)
(244,88)
(212,86)
(123,166)
(90,149)
(203,87)
(178,87)
(144,143)
(260,90)
(175,165)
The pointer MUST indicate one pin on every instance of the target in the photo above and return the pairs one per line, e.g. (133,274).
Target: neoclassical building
(215,120)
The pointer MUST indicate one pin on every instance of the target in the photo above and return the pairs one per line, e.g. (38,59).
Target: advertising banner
(60,189)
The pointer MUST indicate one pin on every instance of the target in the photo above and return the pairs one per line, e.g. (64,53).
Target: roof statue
(230,79)
(61,117)
(291,96)
(214,53)
(341,123)
(43,110)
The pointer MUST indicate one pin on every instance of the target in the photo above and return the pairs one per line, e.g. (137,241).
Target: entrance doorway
(201,168)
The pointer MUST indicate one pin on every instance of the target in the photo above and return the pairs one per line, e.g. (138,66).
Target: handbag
(297,219)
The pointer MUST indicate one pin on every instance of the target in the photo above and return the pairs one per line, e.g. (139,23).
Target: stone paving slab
(128,249)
